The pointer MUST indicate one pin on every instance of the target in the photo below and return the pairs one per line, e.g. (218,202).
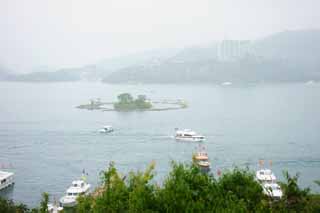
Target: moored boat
(78,187)
(268,181)
(6,179)
(201,159)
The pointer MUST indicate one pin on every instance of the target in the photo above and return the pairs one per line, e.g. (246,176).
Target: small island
(126,103)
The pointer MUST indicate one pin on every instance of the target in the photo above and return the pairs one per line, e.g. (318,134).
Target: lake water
(48,142)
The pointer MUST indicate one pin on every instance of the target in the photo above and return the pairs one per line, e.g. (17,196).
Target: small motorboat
(188,135)
(106,129)
(201,159)
(6,179)
(78,187)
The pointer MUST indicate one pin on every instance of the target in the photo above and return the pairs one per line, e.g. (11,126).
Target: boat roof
(107,127)
(78,188)
(4,175)
(77,182)
(265,171)
(265,174)
(189,131)
(201,157)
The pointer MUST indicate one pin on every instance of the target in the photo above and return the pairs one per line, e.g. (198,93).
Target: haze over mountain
(74,33)
(98,71)
(5,74)
(281,57)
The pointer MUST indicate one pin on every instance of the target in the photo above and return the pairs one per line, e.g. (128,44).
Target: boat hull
(7,185)
(105,131)
(205,169)
(189,139)
(68,202)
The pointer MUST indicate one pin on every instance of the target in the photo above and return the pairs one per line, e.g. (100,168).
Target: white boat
(106,129)
(268,181)
(227,83)
(265,176)
(188,135)
(52,208)
(272,190)
(6,179)
(310,82)
(78,187)
(201,159)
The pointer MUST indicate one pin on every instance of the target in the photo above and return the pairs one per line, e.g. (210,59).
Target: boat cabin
(265,175)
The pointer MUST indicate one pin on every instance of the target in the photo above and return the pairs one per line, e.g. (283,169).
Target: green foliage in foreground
(8,206)
(185,189)
(127,103)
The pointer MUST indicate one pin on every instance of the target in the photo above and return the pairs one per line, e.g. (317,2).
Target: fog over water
(49,142)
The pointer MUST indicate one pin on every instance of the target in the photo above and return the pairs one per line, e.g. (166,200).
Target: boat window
(3,181)
(75,194)
(75,185)
(70,194)
(82,184)
(261,173)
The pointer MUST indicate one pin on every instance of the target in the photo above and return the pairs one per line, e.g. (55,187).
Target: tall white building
(230,50)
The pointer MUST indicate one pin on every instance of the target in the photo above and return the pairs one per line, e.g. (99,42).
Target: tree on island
(126,102)
(125,98)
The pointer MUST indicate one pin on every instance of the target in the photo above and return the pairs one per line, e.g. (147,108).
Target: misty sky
(66,33)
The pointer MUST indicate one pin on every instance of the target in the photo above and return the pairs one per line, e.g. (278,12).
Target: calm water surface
(48,142)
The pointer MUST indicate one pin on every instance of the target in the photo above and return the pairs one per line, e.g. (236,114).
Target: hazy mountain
(193,54)
(282,57)
(297,47)
(99,70)
(5,74)
(288,42)
(60,75)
